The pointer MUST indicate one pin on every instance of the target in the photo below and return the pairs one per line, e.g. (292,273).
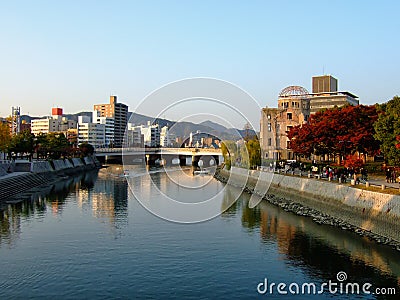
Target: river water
(89,238)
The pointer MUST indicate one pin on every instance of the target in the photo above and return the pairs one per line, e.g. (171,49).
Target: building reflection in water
(33,205)
(108,200)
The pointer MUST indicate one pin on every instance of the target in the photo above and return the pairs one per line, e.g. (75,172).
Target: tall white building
(147,135)
(134,137)
(91,133)
(109,127)
(151,135)
(165,137)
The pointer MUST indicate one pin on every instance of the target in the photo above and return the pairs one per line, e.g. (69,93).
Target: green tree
(254,149)
(58,145)
(243,155)
(250,153)
(52,145)
(41,145)
(387,129)
(253,152)
(229,152)
(22,143)
(5,137)
(86,149)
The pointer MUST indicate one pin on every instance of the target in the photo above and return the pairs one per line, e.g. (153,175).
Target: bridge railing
(116,150)
(156,150)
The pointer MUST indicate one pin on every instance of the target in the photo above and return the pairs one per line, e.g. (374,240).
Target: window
(289,116)
(288,144)
(269,117)
(269,142)
(269,127)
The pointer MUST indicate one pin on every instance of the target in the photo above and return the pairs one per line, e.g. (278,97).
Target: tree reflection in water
(107,198)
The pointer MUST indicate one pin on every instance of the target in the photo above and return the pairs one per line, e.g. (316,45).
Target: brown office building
(324,83)
(119,112)
(325,94)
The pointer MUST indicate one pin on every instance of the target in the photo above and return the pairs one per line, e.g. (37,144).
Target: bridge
(164,156)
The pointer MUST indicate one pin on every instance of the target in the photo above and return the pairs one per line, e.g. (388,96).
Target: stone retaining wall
(41,170)
(370,211)
(6,167)
(3,169)
(88,160)
(61,164)
(77,162)
(22,166)
(68,164)
(41,167)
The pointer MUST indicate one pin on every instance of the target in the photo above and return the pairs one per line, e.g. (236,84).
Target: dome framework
(293,91)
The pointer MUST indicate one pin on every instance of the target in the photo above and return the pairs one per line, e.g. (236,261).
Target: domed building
(293,109)
(295,105)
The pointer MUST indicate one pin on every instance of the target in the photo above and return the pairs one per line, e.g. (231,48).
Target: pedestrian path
(374,181)
(377,181)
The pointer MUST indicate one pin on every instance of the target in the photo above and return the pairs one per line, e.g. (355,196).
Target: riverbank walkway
(375,181)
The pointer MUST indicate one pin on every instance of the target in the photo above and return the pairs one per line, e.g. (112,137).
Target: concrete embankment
(29,175)
(372,214)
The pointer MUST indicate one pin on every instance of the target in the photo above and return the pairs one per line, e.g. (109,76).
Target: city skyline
(73,54)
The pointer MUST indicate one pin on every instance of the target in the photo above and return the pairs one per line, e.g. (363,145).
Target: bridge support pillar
(195,160)
(216,159)
(182,160)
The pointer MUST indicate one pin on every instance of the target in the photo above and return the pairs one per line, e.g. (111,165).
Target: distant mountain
(184,129)
(234,132)
(75,116)
(139,119)
(215,126)
(242,132)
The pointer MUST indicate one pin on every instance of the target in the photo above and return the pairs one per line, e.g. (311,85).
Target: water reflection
(322,251)
(107,198)
(154,245)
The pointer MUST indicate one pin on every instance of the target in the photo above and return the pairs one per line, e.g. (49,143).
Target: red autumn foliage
(337,131)
(398,144)
(352,161)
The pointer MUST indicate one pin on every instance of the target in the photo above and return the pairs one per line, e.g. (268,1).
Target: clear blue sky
(73,54)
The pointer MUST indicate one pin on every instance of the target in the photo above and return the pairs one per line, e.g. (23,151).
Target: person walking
(394,175)
(388,175)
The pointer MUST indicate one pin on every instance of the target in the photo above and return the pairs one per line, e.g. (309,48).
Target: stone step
(17,184)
